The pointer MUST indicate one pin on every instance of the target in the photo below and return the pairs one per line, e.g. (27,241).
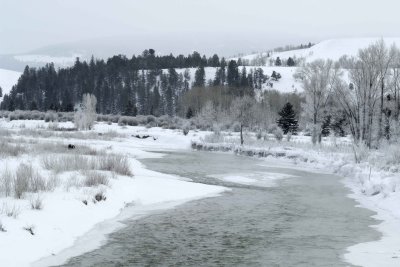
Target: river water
(302,220)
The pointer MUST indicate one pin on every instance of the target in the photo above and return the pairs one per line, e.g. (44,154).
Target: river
(301,219)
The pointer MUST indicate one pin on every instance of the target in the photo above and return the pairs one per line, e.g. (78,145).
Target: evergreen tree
(275,76)
(1,92)
(189,113)
(290,62)
(326,126)
(129,109)
(233,73)
(278,62)
(200,77)
(287,121)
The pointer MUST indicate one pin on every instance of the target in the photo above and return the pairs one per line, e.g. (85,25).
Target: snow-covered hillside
(8,78)
(286,84)
(61,61)
(329,49)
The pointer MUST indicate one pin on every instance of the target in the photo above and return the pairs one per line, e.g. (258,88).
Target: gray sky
(28,24)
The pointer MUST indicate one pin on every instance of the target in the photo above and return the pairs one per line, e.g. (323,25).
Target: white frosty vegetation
(85,114)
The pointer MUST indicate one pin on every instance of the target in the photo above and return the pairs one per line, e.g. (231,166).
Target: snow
(65,218)
(262,179)
(330,49)
(287,84)
(60,61)
(8,79)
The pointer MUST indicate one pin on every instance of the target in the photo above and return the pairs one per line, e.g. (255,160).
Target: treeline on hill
(145,84)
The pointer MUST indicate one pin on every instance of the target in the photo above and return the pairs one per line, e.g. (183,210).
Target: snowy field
(44,222)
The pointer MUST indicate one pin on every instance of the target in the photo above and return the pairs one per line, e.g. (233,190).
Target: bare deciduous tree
(242,110)
(318,79)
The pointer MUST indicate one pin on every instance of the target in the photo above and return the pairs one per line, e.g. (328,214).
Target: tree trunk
(241,134)
(380,125)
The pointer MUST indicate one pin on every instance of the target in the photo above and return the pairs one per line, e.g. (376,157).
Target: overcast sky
(28,24)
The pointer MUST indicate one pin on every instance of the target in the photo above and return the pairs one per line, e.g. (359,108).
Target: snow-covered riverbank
(69,211)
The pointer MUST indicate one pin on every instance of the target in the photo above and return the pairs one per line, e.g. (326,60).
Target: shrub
(185,130)
(278,134)
(115,163)
(27,180)
(259,135)
(50,116)
(94,178)
(288,136)
(13,211)
(236,127)
(6,181)
(67,163)
(36,203)
(7,149)
(2,229)
(100,196)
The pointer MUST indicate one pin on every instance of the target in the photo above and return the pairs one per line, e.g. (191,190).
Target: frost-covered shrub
(13,150)
(288,136)
(259,135)
(10,211)
(272,128)
(236,127)
(27,180)
(278,134)
(361,152)
(36,202)
(126,120)
(6,182)
(53,126)
(216,129)
(185,130)
(65,163)
(214,138)
(93,178)
(115,163)
(150,119)
(51,116)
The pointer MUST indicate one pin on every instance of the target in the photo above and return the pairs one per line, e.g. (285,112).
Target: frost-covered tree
(242,110)
(363,101)
(85,114)
(318,79)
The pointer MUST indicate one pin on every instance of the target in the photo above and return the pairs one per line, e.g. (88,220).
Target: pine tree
(1,92)
(275,76)
(189,113)
(233,73)
(200,77)
(290,62)
(278,62)
(287,121)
